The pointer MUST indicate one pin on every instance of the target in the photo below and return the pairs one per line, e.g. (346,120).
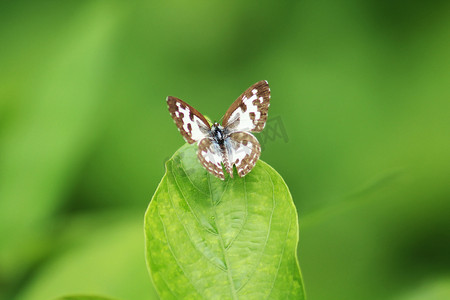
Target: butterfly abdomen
(226,161)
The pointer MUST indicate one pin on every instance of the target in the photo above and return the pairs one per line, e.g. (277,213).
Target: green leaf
(213,239)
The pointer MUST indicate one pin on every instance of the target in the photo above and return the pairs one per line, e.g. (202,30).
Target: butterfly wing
(249,111)
(192,125)
(243,150)
(210,156)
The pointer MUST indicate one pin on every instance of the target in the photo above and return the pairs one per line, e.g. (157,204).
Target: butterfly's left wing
(211,157)
(192,125)
(243,150)
(249,111)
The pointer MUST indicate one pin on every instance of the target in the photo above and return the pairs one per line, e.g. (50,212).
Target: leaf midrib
(268,232)
(225,254)
(245,220)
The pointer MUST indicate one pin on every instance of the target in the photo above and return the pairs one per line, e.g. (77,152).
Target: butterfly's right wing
(243,150)
(192,125)
(249,111)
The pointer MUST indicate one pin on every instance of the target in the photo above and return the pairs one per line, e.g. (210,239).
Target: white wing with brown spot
(192,125)
(249,111)
(243,151)
(210,156)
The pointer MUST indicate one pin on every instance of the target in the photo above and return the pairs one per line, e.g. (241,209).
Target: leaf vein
(281,258)
(189,235)
(173,254)
(221,197)
(245,218)
(189,178)
(230,278)
(267,236)
(190,208)
(162,277)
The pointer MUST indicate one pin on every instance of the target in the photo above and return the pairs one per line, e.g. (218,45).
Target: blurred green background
(362,89)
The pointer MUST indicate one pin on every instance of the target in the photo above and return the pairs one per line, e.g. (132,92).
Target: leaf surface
(213,239)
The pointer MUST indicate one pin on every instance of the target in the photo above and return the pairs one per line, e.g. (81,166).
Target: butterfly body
(230,143)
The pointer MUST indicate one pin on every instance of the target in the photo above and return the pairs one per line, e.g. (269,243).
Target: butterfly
(230,143)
